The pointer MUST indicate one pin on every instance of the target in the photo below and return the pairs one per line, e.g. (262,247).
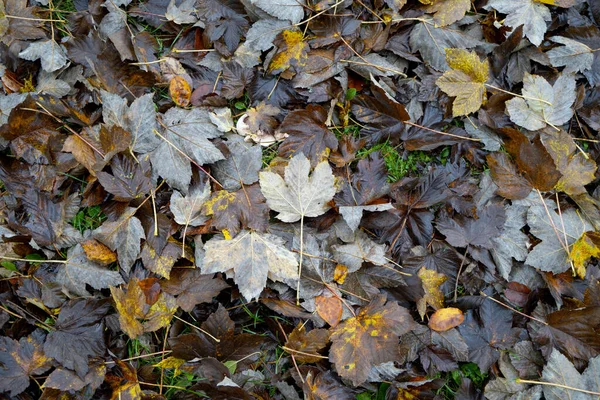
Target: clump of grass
(454,379)
(88,218)
(398,165)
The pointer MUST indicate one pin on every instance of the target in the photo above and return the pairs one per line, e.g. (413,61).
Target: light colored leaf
(363,249)
(543,104)
(184,13)
(353,214)
(448,12)
(187,209)
(252,257)
(529,13)
(298,195)
(574,56)
(465,81)
(512,243)
(49,52)
(79,271)
(123,236)
(291,10)
(241,166)
(261,34)
(560,370)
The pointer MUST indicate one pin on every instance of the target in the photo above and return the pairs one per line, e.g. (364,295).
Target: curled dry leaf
(445,319)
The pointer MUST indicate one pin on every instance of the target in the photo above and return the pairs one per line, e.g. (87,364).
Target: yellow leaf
(180,91)
(586,247)
(445,319)
(431,285)
(171,363)
(558,3)
(447,12)
(292,51)
(465,81)
(97,252)
(340,273)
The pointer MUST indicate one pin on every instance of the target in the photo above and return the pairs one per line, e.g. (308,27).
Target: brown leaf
(192,288)
(445,319)
(511,184)
(330,309)
(180,91)
(305,347)
(125,386)
(368,339)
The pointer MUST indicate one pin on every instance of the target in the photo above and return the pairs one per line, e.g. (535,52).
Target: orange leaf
(330,309)
(445,319)
(180,91)
(97,252)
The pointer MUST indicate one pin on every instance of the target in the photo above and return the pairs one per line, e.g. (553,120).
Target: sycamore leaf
(574,56)
(586,247)
(529,13)
(292,10)
(307,343)
(292,51)
(543,104)
(361,250)
(192,287)
(561,371)
(298,195)
(187,209)
(20,360)
(370,338)
(130,179)
(576,168)
(49,52)
(79,334)
(185,136)
(123,236)
(138,313)
(448,12)
(139,119)
(512,242)
(79,271)
(241,165)
(552,254)
(465,81)
(252,257)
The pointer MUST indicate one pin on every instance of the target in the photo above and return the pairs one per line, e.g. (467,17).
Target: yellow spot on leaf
(292,51)
(586,247)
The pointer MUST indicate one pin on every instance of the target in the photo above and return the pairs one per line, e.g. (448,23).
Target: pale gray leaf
(253,257)
(184,13)
(490,139)
(512,243)
(123,236)
(48,84)
(363,249)
(299,195)
(187,210)
(551,255)
(186,137)
(384,372)
(529,13)
(544,104)
(261,34)
(378,66)
(291,10)
(80,271)
(431,42)
(560,370)
(591,377)
(49,52)
(7,103)
(452,341)
(574,56)
(114,21)
(353,214)
(506,387)
(222,119)
(241,166)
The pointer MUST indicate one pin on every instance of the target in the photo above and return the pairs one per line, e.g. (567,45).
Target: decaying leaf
(370,338)
(586,247)
(180,91)
(445,319)
(433,294)
(305,346)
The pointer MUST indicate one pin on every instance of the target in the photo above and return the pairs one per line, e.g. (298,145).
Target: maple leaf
(465,81)
(138,313)
(192,287)
(187,210)
(560,371)
(291,10)
(586,247)
(129,179)
(292,51)
(361,250)
(67,380)
(243,209)
(512,242)
(577,170)
(49,52)
(20,360)
(574,56)
(543,104)
(241,165)
(463,232)
(79,271)
(252,257)
(511,184)
(552,254)
(305,346)
(325,385)
(530,13)
(298,195)
(139,119)
(370,338)
(185,138)
(448,12)
(79,334)
(307,134)
(25,25)
(123,236)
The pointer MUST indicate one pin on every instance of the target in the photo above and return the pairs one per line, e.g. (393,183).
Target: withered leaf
(292,51)
(20,360)
(180,91)
(129,179)
(370,338)
(136,315)
(445,319)
(79,334)
(305,346)
(192,287)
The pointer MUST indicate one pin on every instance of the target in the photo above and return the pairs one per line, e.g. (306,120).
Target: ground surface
(371,199)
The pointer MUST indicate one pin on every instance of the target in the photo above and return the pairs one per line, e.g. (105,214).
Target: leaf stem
(517,95)
(519,380)
(462,263)
(200,329)
(440,132)
(512,309)
(38,261)
(289,350)
(301,259)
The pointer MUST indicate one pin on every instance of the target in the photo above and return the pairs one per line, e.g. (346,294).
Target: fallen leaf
(586,247)
(434,297)
(330,309)
(180,91)
(447,12)
(305,346)
(98,253)
(292,51)
(445,319)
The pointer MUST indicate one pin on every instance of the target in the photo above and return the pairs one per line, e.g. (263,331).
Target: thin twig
(200,329)
(512,309)
(519,380)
